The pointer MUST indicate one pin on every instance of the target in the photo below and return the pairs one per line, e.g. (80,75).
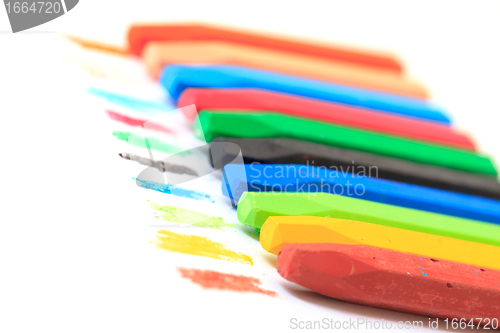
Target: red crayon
(259,100)
(395,281)
(140,35)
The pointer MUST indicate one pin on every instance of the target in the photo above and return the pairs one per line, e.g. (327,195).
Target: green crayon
(255,207)
(267,125)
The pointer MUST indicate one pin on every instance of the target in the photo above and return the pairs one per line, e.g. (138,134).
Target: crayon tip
(246,209)
(271,239)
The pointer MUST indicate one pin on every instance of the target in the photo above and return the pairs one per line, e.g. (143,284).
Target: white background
(74,232)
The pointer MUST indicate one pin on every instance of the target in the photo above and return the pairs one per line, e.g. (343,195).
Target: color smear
(97,46)
(139,122)
(130,102)
(189,217)
(172,189)
(151,143)
(198,246)
(102,70)
(215,280)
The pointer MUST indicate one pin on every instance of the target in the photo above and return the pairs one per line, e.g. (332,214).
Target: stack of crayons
(356,181)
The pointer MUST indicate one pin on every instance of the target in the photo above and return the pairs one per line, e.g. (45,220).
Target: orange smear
(215,280)
(87,44)
(198,246)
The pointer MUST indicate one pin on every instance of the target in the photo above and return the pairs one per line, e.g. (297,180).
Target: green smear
(189,217)
(152,143)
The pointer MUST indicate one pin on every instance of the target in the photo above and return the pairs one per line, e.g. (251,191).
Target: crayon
(395,281)
(251,100)
(157,55)
(289,151)
(303,178)
(214,124)
(279,231)
(140,35)
(176,78)
(255,208)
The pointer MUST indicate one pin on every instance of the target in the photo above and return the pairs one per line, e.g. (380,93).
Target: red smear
(139,122)
(215,280)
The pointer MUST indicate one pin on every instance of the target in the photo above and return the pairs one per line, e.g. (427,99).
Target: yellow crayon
(278,231)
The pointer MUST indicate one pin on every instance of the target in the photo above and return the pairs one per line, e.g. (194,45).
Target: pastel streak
(147,124)
(172,189)
(91,45)
(215,280)
(189,217)
(130,102)
(198,246)
(150,143)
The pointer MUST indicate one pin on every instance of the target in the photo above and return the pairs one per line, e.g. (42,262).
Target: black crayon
(289,151)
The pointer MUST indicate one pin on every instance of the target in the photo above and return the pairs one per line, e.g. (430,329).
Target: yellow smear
(198,246)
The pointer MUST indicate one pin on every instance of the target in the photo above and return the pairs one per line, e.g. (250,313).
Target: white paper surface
(76,230)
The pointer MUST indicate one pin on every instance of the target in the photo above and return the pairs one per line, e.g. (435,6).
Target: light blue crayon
(176,78)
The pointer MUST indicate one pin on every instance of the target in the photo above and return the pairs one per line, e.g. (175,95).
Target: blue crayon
(177,78)
(302,178)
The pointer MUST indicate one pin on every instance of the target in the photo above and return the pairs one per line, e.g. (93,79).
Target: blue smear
(172,189)
(131,102)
